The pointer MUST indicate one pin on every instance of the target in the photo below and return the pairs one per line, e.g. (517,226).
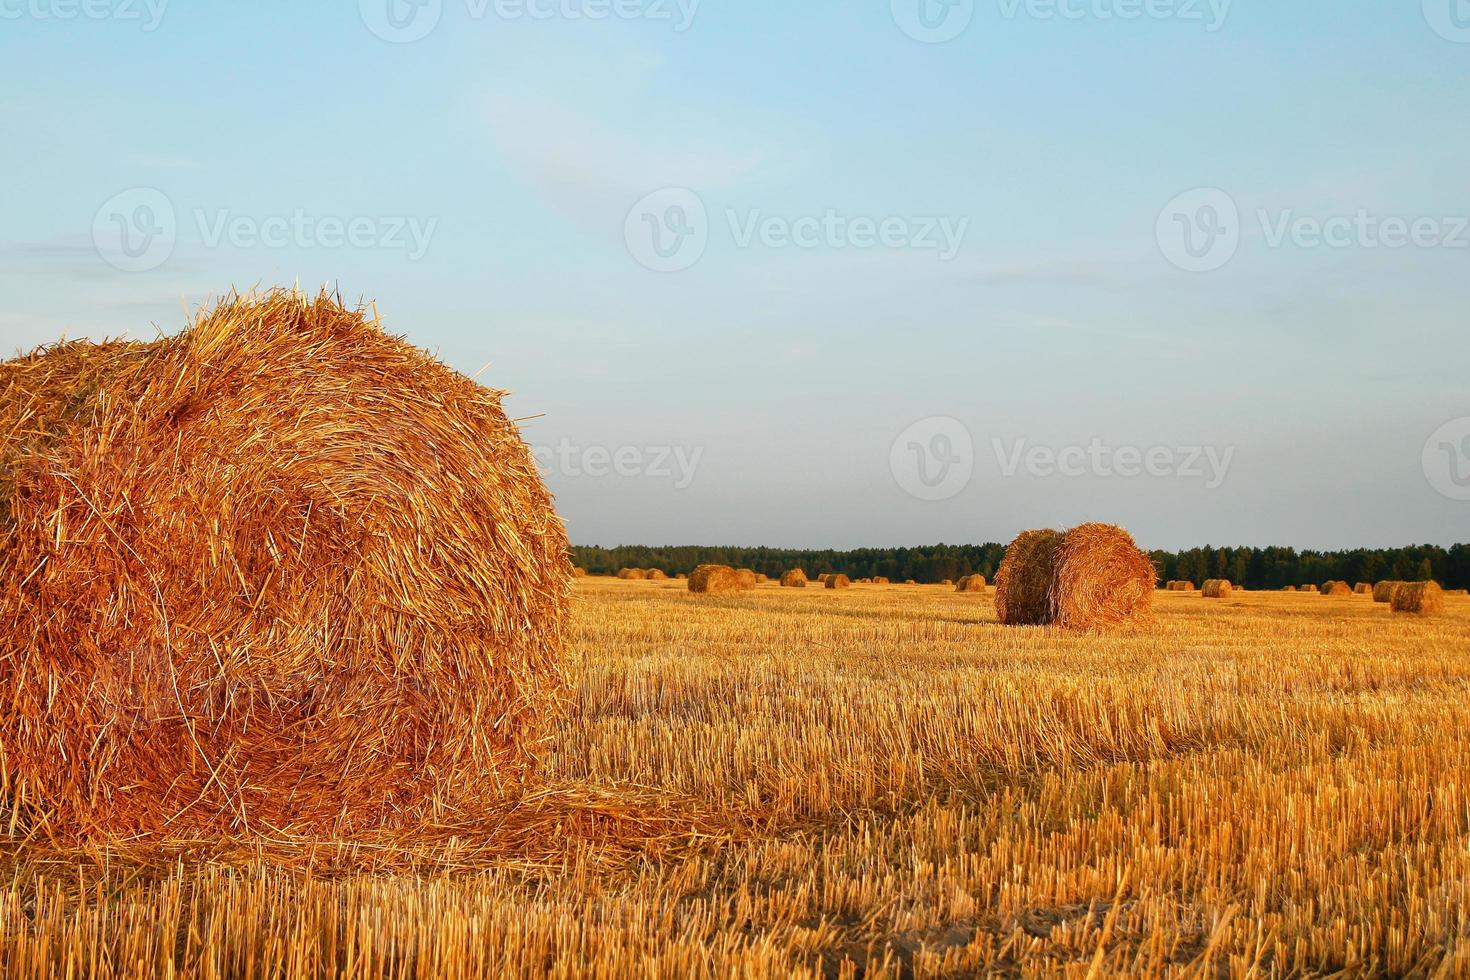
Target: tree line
(1254,568)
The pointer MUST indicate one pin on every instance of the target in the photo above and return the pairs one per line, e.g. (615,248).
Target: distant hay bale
(1309,588)
(822,578)
(1383,591)
(761,579)
(281,572)
(1336,589)
(1182,585)
(1288,588)
(656,575)
(1418,598)
(909,581)
(714,579)
(632,574)
(948,581)
(838,582)
(1217,588)
(794,579)
(681,577)
(1363,588)
(1094,577)
(880,580)
(747,578)
(971,583)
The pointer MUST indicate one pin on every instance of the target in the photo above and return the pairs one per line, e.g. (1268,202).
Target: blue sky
(497,173)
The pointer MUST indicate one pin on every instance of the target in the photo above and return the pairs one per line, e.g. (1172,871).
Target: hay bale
(909,581)
(714,579)
(632,574)
(1092,578)
(656,575)
(1383,591)
(1102,580)
(1418,598)
(822,578)
(971,583)
(1288,588)
(1023,582)
(681,577)
(1217,588)
(1182,585)
(761,579)
(747,578)
(794,579)
(881,580)
(274,573)
(1336,589)
(838,582)
(1309,588)
(1363,588)
(949,582)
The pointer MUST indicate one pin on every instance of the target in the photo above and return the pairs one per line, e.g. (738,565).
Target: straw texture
(282,572)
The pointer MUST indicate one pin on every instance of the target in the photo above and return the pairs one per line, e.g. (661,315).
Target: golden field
(877,782)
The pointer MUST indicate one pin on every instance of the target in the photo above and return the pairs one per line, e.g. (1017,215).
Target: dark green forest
(1254,568)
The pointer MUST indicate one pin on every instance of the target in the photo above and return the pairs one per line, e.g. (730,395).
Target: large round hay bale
(714,579)
(1092,578)
(1336,589)
(794,579)
(1103,581)
(1383,591)
(282,572)
(971,583)
(1217,588)
(838,582)
(655,575)
(1023,582)
(748,578)
(1418,598)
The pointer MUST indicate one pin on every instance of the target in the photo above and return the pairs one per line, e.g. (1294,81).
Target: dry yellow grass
(881,782)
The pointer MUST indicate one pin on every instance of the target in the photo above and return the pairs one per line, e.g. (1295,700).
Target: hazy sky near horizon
(820,274)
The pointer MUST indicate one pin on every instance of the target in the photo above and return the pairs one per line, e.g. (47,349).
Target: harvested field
(888,783)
